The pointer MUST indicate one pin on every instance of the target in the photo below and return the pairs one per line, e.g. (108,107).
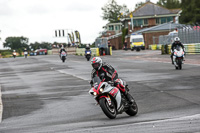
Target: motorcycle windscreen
(178,48)
(96,82)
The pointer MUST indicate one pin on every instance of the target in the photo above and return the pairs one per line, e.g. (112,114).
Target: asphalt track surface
(42,94)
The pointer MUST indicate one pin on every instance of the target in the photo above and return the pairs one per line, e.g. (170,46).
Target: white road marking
(1,106)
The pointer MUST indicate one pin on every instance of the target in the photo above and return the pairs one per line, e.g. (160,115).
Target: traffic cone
(104,52)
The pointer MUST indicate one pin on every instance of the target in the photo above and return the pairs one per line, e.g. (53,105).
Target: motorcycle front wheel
(109,111)
(180,64)
(63,59)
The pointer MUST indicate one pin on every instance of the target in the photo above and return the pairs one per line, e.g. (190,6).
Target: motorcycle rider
(25,53)
(62,49)
(14,53)
(87,48)
(174,45)
(110,74)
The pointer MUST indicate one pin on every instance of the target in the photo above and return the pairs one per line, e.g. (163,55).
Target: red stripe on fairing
(114,92)
(99,86)
(95,90)
(102,96)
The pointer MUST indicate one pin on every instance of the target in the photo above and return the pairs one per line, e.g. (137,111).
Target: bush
(6,53)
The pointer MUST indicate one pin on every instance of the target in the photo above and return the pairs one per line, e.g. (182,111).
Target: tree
(43,45)
(190,12)
(139,5)
(16,42)
(124,33)
(112,11)
(170,4)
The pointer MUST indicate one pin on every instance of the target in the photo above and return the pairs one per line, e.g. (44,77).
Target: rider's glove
(91,83)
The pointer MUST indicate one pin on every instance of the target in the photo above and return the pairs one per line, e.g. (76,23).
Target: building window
(111,27)
(163,20)
(139,22)
(117,27)
(145,21)
(157,20)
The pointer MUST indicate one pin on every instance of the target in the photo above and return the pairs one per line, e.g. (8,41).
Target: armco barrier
(189,49)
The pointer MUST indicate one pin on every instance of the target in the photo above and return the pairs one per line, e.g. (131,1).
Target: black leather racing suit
(110,74)
(174,45)
(62,50)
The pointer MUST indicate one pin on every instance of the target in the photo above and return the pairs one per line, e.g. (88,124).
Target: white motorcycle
(14,54)
(25,54)
(111,100)
(63,56)
(178,57)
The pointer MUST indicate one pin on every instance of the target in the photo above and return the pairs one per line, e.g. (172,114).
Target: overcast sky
(37,19)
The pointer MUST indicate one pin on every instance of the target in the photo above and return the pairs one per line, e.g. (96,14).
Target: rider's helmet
(96,63)
(13,50)
(176,39)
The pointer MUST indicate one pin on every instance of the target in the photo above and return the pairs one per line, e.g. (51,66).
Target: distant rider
(87,49)
(62,49)
(174,45)
(110,74)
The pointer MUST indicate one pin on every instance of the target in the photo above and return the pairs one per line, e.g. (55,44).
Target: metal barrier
(188,35)
(189,49)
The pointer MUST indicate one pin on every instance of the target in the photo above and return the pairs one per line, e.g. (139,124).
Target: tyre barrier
(155,47)
(95,51)
(189,49)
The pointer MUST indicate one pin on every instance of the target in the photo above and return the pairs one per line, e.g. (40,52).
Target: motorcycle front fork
(174,60)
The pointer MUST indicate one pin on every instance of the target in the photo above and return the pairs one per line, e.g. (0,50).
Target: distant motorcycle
(88,54)
(111,100)
(14,54)
(178,57)
(63,56)
(25,54)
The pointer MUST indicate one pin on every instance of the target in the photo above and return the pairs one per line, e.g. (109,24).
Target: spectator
(125,45)
(109,44)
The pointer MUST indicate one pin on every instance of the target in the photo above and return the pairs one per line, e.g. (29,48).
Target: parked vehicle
(178,57)
(137,42)
(110,99)
(42,51)
(63,56)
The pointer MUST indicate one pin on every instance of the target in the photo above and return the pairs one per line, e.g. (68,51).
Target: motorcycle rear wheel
(133,109)
(110,112)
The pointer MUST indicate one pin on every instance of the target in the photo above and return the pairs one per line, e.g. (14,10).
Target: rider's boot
(129,97)
(124,90)
(172,60)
